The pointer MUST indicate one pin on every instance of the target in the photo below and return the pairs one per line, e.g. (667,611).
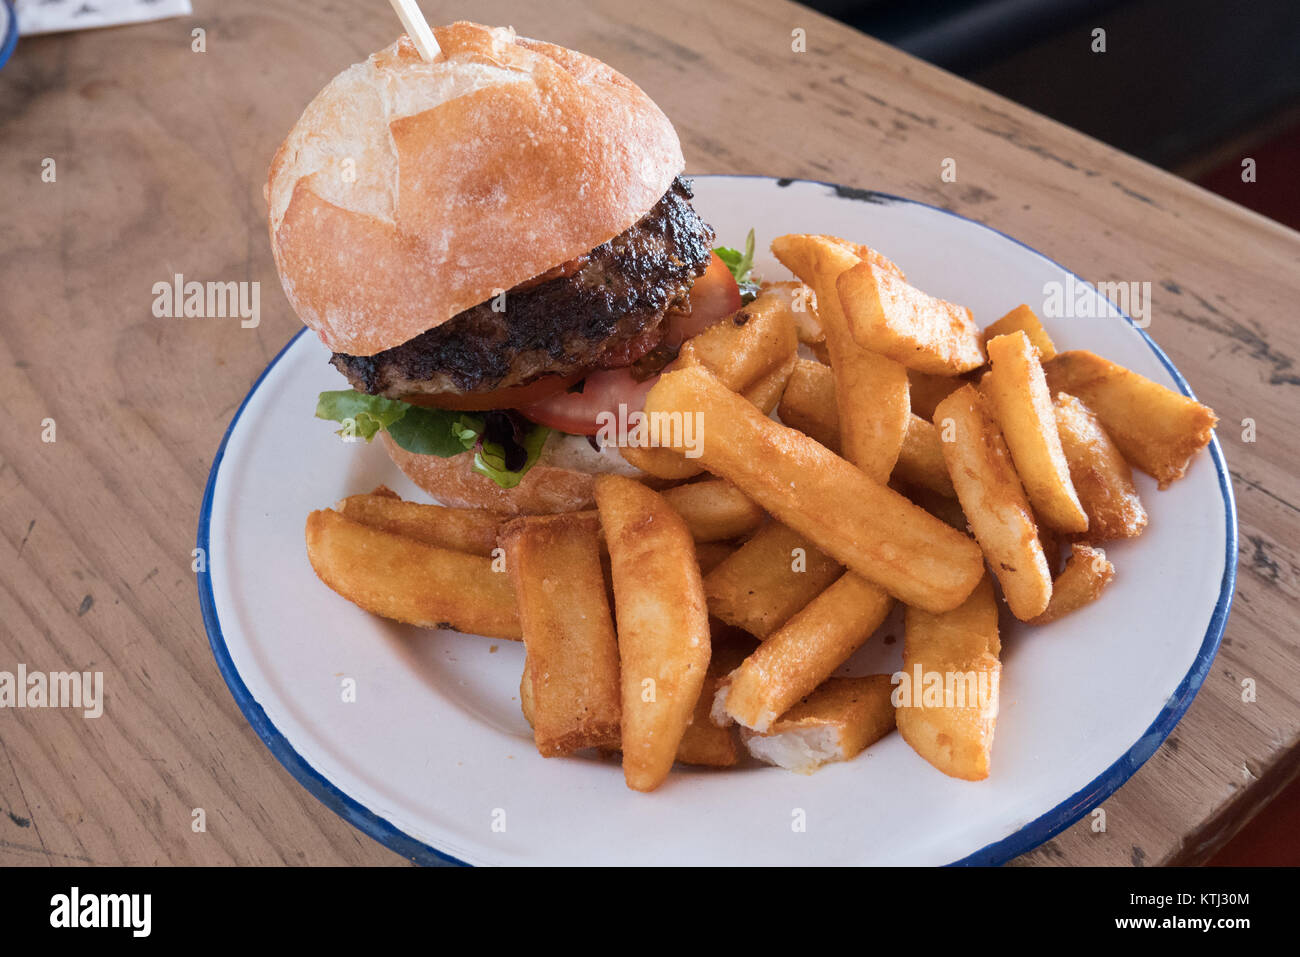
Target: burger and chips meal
(498,247)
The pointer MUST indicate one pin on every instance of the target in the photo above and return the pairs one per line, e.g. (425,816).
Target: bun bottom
(563,480)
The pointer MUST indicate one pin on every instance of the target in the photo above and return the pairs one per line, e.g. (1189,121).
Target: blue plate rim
(10,40)
(1041,829)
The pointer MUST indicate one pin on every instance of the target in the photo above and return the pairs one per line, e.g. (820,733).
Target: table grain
(161,153)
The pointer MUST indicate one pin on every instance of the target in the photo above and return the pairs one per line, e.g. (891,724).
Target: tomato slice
(578,412)
(509,398)
(714,296)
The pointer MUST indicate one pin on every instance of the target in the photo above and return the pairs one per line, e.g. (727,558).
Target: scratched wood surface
(161,154)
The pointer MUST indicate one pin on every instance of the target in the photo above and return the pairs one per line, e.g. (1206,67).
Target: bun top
(409,191)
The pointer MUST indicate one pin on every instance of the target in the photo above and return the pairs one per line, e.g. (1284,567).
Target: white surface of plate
(434,755)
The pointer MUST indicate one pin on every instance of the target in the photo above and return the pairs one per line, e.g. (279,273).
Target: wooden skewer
(417,28)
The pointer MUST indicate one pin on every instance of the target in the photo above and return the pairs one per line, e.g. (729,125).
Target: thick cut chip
(1023,407)
(714,510)
(1086,574)
(1157,429)
(947,698)
(769,578)
(888,316)
(572,675)
(397,577)
(1101,476)
(791,663)
(837,722)
(470,530)
(1023,319)
(663,623)
(994,502)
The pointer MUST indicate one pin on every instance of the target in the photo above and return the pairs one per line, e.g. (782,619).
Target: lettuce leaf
(497,439)
(362,415)
(741,266)
(428,432)
(490,458)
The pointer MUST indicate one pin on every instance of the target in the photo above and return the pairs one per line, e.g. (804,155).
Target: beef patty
(603,309)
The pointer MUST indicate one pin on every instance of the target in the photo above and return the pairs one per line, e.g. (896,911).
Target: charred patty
(603,309)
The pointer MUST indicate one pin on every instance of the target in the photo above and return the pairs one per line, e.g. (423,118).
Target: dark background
(1193,86)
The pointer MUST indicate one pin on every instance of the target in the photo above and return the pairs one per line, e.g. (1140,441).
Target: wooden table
(161,154)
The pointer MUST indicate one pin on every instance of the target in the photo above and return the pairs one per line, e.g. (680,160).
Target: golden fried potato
(809,403)
(1087,572)
(661,462)
(802,654)
(1101,476)
(888,316)
(871,391)
(803,306)
(766,393)
(1022,319)
(951,723)
(927,391)
(876,395)
(921,461)
(768,579)
(663,623)
(756,339)
(572,674)
(709,555)
(994,502)
(796,252)
(714,510)
(470,530)
(1157,429)
(861,523)
(405,580)
(1022,405)
(837,722)
(705,744)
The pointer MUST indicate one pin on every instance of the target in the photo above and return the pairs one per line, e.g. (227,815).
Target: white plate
(434,755)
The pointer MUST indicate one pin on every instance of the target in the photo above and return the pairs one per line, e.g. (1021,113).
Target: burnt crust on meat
(613,302)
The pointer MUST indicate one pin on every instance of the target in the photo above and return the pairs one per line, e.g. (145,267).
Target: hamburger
(497,246)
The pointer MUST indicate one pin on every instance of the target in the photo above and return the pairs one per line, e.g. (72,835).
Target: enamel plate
(435,760)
